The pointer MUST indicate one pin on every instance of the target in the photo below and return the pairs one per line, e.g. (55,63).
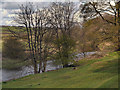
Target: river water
(14,74)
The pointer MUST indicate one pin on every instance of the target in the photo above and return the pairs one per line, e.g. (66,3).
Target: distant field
(95,73)
(6,32)
(18,30)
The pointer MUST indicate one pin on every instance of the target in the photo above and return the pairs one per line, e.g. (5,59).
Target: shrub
(67,47)
(13,48)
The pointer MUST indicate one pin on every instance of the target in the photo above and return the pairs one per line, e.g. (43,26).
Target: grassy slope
(99,73)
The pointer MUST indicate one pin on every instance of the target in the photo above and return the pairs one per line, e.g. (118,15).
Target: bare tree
(35,22)
(62,20)
(25,17)
(62,16)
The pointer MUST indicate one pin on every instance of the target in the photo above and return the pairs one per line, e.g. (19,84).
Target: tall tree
(62,20)
(35,22)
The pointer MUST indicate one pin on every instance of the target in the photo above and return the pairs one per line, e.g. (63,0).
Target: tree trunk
(35,67)
(40,64)
(44,66)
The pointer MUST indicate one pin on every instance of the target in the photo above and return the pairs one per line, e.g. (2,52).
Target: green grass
(96,73)
(13,28)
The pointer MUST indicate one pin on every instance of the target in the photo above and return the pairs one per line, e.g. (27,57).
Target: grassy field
(95,73)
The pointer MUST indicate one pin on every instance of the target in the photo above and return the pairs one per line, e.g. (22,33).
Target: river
(14,74)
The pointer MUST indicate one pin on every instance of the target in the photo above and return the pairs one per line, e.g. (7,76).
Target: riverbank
(92,73)
(13,69)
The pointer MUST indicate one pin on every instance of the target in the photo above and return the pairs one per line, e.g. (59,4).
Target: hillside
(93,73)
(96,34)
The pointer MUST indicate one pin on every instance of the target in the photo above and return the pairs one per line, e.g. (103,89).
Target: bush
(67,47)
(13,48)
